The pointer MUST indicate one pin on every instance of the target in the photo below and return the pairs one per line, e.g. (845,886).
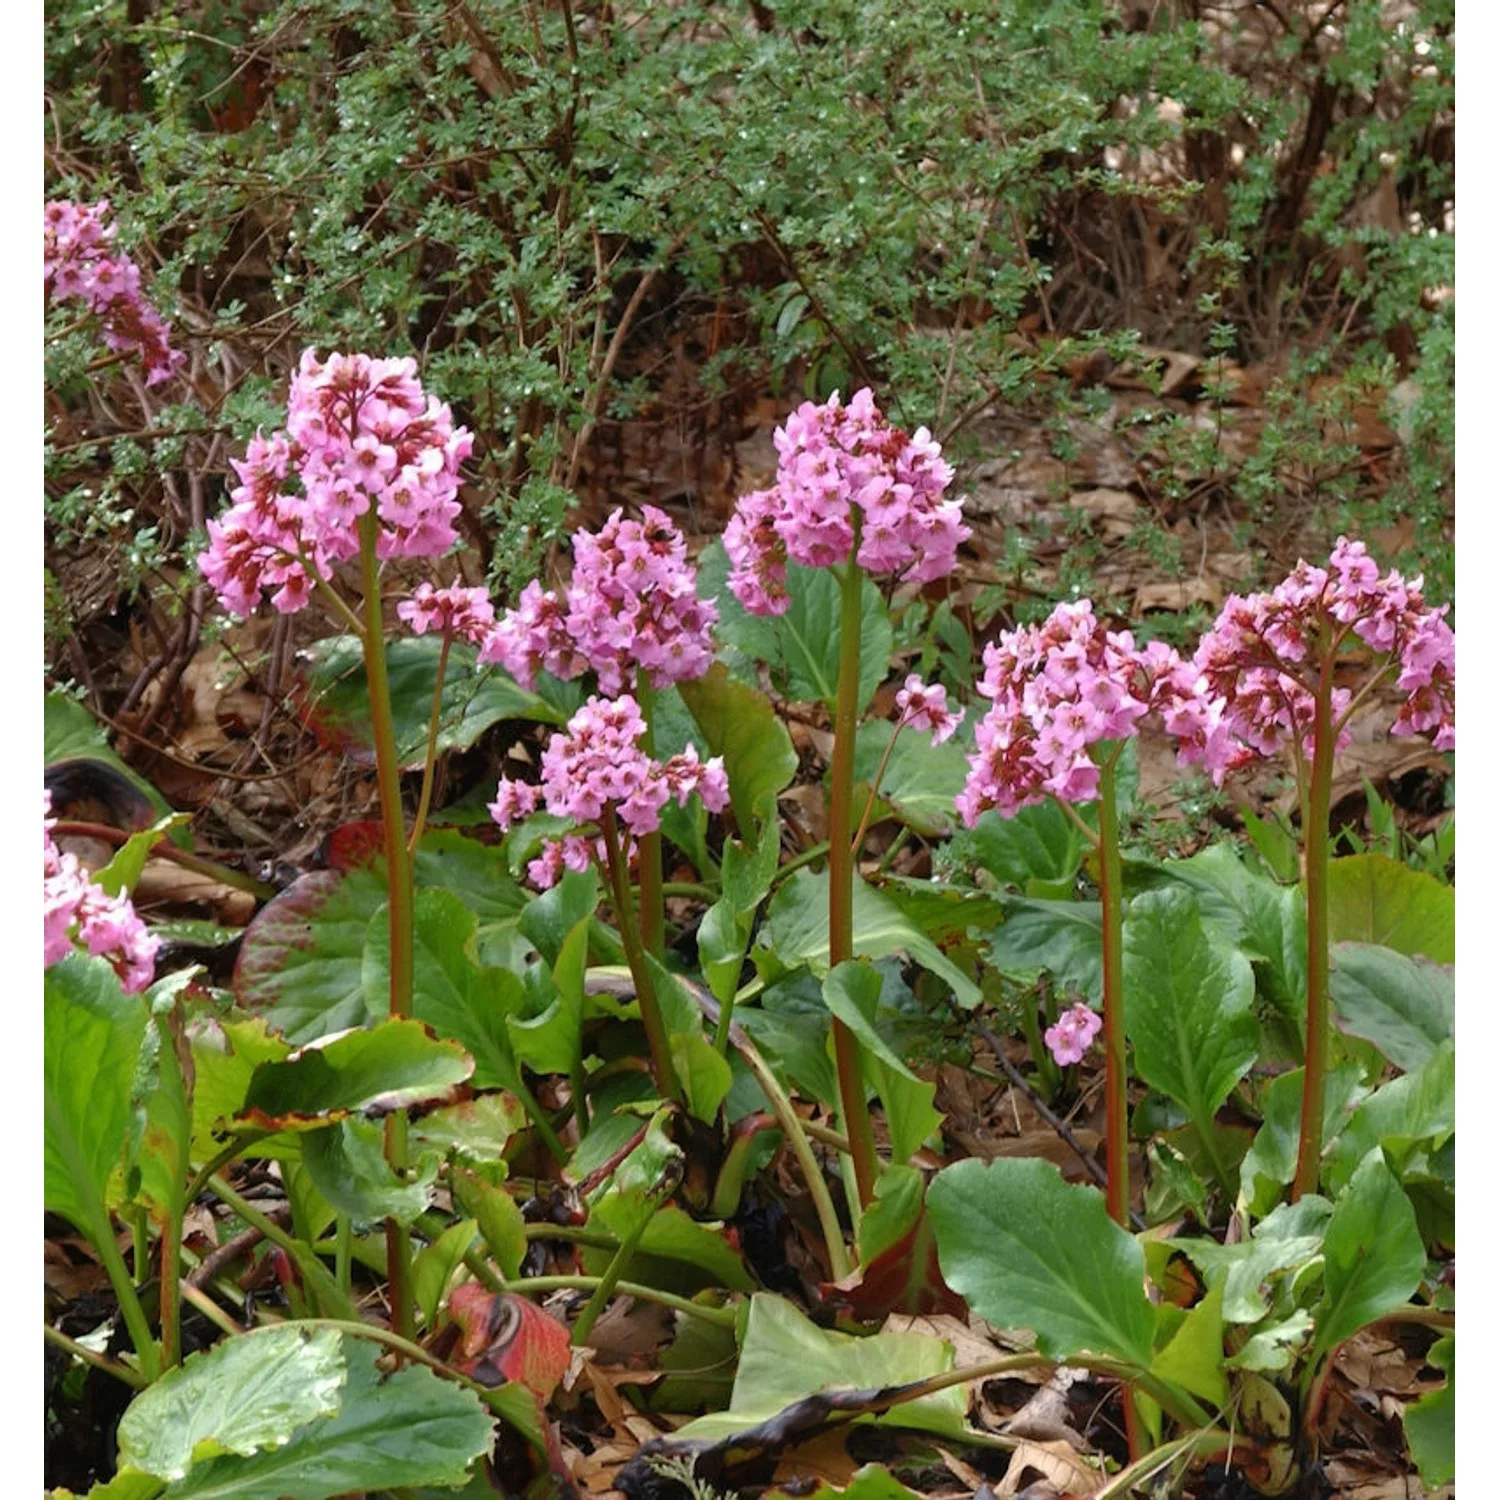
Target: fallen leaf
(1055,1462)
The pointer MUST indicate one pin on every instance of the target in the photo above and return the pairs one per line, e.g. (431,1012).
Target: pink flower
(1263,656)
(927,708)
(1072,1035)
(838,464)
(597,764)
(359,431)
(452,611)
(76,267)
(632,606)
(75,910)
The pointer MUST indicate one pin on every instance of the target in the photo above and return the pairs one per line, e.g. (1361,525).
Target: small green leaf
(432,1269)
(1188,996)
(1430,1421)
(123,871)
(1409,1113)
(405,1427)
(1271,1162)
(1373,1254)
(704,1074)
(499,1219)
(347,1164)
(1194,1359)
(1028,1251)
(1275,1346)
(241,1396)
(907,1101)
(851,991)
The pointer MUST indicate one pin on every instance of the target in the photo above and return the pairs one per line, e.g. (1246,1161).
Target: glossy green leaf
(1028,1251)
(703,1073)
(851,991)
(70,732)
(479,876)
(739,723)
(675,1237)
(1063,938)
(474,697)
(241,1396)
(397,1428)
(785,1356)
(390,1066)
(347,1164)
(477,1130)
(92,1037)
(796,931)
(1271,1162)
(1375,899)
(1407,1115)
(1038,850)
(498,1216)
(1194,1359)
(1286,1240)
(432,1268)
(907,1102)
(1275,1347)
(1430,1421)
(1403,1005)
(1373,1254)
(1188,998)
(124,868)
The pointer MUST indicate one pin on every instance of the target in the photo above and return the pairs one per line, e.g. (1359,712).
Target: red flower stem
(648,861)
(635,956)
(841,875)
(1111,901)
(433,722)
(1315,856)
(399,887)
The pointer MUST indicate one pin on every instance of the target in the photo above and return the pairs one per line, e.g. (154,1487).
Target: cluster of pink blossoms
(78,264)
(73,906)
(1073,1034)
(837,463)
(359,433)
(1265,650)
(464,613)
(632,604)
(926,707)
(1065,685)
(599,763)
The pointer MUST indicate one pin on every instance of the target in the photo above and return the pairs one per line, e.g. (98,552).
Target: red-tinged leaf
(353,845)
(904,1277)
(508,1340)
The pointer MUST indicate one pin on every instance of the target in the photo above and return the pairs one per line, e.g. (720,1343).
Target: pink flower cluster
(1264,653)
(1072,1035)
(599,763)
(360,433)
(78,265)
(456,611)
(1059,688)
(633,604)
(926,708)
(837,465)
(74,907)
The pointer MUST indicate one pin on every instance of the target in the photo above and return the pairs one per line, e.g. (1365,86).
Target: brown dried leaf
(1057,1463)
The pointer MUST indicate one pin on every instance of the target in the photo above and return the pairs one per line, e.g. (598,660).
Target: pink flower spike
(456,611)
(1072,1035)
(926,708)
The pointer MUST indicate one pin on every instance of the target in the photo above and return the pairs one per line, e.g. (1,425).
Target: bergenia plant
(631,615)
(858,496)
(1272,660)
(1067,695)
(366,470)
(599,777)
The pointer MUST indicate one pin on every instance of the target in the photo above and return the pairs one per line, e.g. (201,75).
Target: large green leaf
(920,780)
(1063,938)
(801,647)
(1373,1257)
(1403,1005)
(1407,1115)
(241,1396)
(1188,998)
(739,723)
(796,931)
(1038,850)
(225,1056)
(92,1035)
(391,1429)
(474,697)
(479,876)
(301,960)
(391,1065)
(785,1357)
(851,991)
(1375,899)
(1028,1251)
